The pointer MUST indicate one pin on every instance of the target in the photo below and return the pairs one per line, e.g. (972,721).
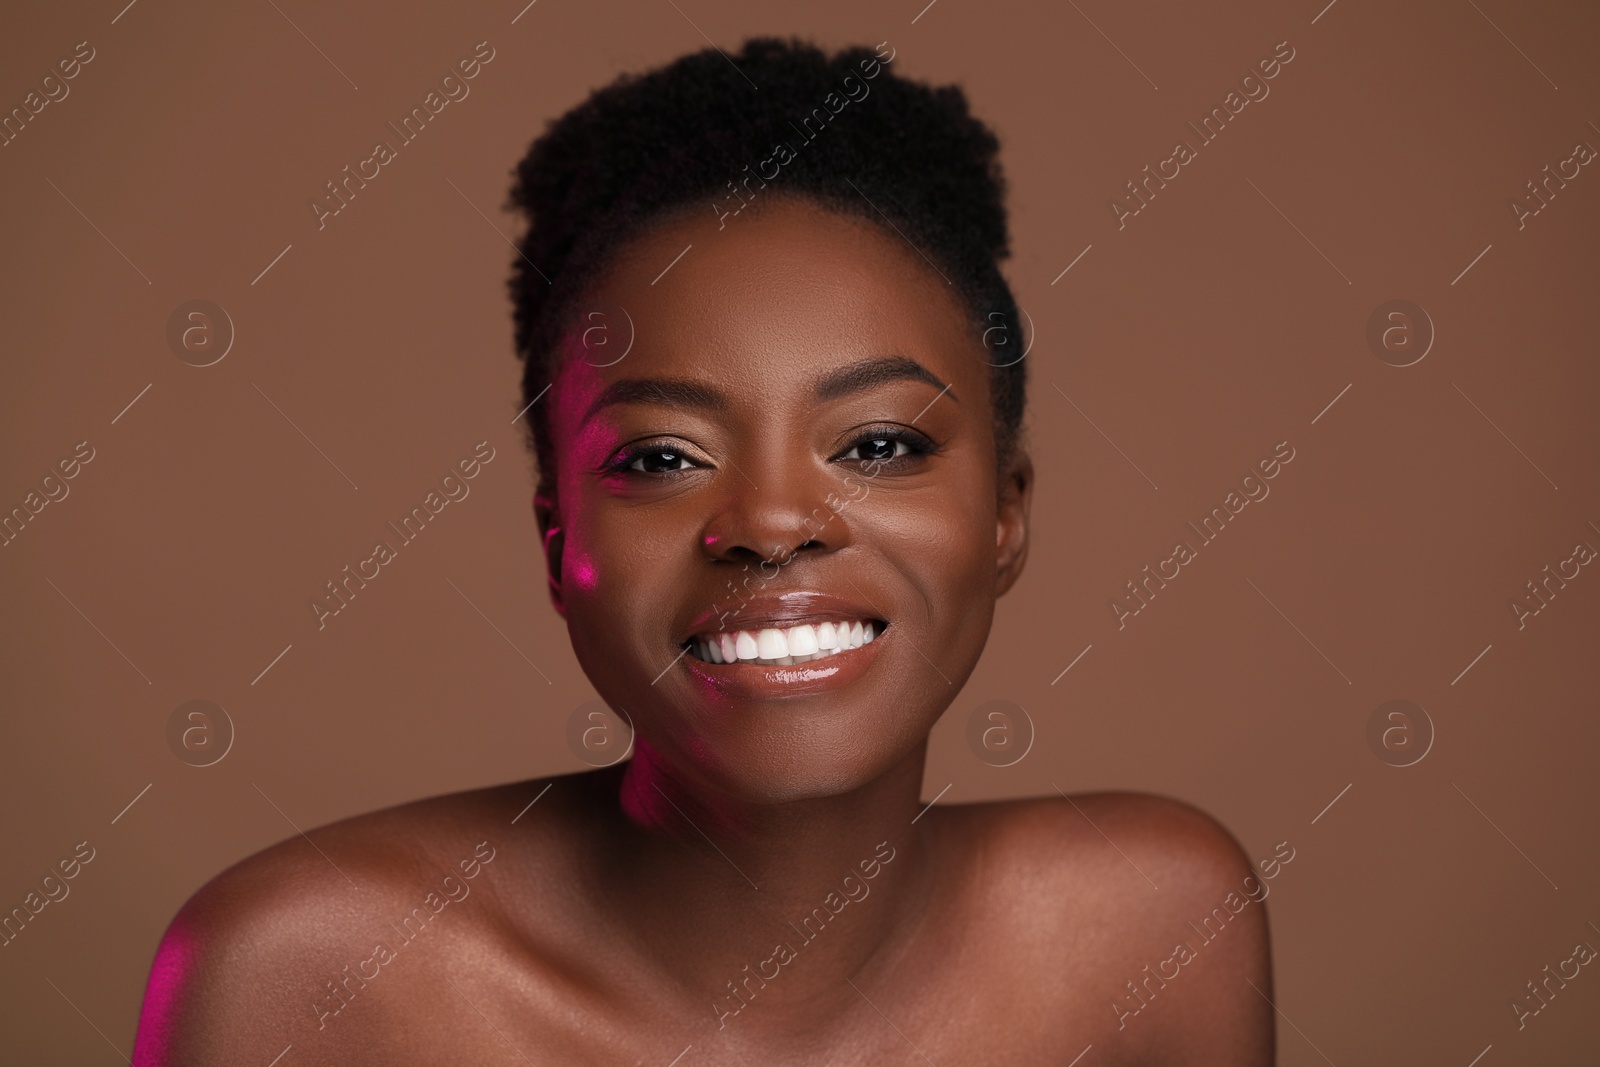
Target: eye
(879,450)
(882,446)
(651,458)
(657,461)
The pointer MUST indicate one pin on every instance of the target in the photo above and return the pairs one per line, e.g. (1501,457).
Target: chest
(980,994)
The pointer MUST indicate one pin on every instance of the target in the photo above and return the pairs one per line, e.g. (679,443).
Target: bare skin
(760,882)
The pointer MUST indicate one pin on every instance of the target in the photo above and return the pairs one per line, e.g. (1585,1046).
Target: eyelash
(916,445)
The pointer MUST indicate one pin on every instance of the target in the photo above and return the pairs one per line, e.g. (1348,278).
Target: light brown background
(1222,320)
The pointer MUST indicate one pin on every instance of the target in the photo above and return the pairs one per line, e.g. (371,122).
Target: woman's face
(800,434)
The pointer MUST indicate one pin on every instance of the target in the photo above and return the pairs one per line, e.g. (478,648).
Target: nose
(779,520)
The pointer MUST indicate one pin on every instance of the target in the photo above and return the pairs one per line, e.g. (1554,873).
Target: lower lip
(756,681)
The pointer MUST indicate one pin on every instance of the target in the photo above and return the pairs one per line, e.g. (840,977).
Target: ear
(549,519)
(1011,522)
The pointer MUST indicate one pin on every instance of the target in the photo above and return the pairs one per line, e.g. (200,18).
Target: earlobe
(549,520)
(1011,522)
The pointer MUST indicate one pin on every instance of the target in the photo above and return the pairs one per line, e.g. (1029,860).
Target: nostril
(778,553)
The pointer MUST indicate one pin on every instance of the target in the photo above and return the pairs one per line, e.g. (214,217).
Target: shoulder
(1162,903)
(269,951)
(1159,840)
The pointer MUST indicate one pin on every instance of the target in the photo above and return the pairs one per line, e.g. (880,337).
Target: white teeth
(802,641)
(771,646)
(826,638)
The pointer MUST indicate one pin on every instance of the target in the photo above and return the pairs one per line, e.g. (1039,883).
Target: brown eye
(886,447)
(659,461)
(879,449)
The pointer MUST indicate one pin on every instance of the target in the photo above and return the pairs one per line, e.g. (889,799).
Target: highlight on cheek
(583,573)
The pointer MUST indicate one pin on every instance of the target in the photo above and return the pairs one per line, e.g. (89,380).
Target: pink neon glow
(173,969)
(585,575)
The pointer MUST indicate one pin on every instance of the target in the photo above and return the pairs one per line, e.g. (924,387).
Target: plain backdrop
(1169,353)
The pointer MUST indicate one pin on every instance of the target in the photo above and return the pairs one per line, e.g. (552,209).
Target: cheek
(621,571)
(971,553)
(943,542)
(580,571)
(959,522)
(599,572)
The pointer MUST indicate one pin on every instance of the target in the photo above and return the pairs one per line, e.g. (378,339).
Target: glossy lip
(779,611)
(755,681)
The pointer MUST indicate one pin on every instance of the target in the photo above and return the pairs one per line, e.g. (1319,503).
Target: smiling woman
(776,531)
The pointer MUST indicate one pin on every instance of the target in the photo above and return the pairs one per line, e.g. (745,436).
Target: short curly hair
(649,147)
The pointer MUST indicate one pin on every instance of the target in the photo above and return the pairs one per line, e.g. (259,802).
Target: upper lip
(779,611)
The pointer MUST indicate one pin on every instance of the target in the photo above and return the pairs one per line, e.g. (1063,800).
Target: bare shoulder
(278,949)
(1165,843)
(1145,812)
(1159,902)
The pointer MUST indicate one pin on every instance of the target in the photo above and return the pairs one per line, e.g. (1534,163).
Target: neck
(796,896)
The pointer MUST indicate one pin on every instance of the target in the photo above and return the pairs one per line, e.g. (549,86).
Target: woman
(777,416)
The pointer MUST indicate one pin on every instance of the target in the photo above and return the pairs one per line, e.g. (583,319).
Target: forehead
(774,297)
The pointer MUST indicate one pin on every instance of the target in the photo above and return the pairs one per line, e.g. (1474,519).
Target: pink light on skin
(173,968)
(574,382)
(591,438)
(582,572)
(647,804)
(574,385)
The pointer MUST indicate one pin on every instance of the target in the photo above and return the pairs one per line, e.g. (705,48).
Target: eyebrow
(870,374)
(680,392)
(671,392)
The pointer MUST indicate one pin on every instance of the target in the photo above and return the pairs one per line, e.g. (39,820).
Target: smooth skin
(616,911)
